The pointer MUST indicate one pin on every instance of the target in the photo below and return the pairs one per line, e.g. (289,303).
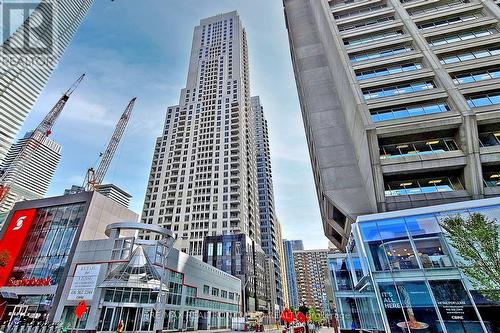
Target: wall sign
(84,282)
(13,240)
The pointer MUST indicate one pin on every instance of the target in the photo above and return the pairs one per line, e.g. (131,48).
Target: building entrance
(135,319)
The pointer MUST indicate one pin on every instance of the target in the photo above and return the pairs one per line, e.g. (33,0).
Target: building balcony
(376,24)
(391,79)
(428,9)
(361,13)
(458,27)
(342,6)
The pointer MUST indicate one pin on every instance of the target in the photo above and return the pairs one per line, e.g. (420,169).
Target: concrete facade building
(35,175)
(312,275)
(400,102)
(23,83)
(85,247)
(270,240)
(115,193)
(41,237)
(203,179)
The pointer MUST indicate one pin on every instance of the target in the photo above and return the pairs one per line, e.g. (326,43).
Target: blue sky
(141,48)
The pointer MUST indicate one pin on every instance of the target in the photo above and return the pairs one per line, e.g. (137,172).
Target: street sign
(80,309)
(287,315)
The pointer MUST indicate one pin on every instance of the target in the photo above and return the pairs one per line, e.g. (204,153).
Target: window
(475,54)
(423,185)
(491,178)
(434,8)
(412,110)
(447,39)
(448,21)
(369,74)
(476,76)
(379,53)
(488,139)
(398,90)
(215,291)
(366,23)
(412,297)
(175,288)
(359,11)
(121,249)
(431,146)
(372,38)
(206,290)
(476,101)
(48,243)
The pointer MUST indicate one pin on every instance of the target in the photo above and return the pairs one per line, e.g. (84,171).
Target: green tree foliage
(4,258)
(315,317)
(476,240)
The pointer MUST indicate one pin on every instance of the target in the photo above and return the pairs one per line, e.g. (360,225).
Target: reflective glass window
(409,307)
(455,306)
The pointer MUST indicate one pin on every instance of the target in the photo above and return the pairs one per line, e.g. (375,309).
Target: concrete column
(473,173)
(209,320)
(378,176)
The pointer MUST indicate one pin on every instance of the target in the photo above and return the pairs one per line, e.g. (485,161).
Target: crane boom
(45,127)
(9,175)
(95,177)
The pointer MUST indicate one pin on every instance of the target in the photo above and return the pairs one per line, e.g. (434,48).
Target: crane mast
(9,175)
(95,177)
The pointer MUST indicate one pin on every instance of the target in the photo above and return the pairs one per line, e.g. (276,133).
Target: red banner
(13,240)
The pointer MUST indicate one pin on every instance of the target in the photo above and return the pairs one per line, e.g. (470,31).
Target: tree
(476,240)
(315,317)
(4,258)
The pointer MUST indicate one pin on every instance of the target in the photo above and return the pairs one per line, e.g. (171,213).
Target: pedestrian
(353,326)
(120,327)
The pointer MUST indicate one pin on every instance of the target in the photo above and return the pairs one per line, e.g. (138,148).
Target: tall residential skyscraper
(293,297)
(400,101)
(203,176)
(312,274)
(21,80)
(37,172)
(268,220)
(284,281)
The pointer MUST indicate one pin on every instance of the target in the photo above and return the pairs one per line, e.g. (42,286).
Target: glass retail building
(400,275)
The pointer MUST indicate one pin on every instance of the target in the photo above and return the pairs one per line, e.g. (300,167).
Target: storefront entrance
(135,319)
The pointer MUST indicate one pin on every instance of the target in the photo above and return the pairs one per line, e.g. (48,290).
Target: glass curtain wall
(46,251)
(417,281)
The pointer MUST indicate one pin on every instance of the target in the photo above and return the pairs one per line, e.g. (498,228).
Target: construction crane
(9,175)
(94,178)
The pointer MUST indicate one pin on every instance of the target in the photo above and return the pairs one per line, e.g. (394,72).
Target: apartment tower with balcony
(312,277)
(203,179)
(31,177)
(400,101)
(269,229)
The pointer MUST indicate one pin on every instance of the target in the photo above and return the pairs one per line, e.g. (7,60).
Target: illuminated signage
(13,240)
